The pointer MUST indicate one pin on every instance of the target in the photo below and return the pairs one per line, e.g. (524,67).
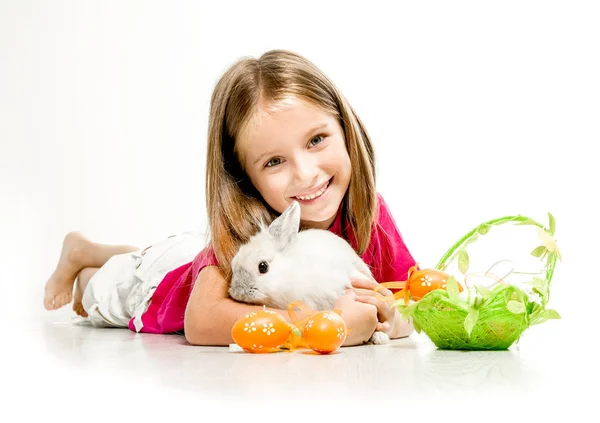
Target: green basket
(500,315)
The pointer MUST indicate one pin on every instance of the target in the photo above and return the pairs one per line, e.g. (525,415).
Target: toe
(58,301)
(62,299)
(79,310)
(49,302)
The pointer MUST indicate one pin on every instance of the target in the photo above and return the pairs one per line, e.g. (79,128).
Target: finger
(371,284)
(364,283)
(374,293)
(369,299)
(350,294)
(384,311)
(382,307)
(365,292)
(383,291)
(384,327)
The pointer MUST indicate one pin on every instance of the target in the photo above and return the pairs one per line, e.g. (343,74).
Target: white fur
(313,266)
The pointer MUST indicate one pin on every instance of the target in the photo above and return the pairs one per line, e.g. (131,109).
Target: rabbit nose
(241,285)
(237,291)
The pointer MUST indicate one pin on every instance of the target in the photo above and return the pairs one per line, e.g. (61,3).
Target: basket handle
(485,227)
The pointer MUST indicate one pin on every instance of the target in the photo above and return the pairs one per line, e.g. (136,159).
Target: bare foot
(77,297)
(82,280)
(59,288)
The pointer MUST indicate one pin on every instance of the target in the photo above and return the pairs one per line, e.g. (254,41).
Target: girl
(279,131)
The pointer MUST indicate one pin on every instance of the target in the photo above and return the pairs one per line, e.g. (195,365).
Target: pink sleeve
(391,258)
(206,257)
(166,312)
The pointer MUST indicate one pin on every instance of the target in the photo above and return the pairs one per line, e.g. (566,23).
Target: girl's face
(297,152)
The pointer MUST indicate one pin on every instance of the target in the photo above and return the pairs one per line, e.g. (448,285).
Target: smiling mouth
(314,195)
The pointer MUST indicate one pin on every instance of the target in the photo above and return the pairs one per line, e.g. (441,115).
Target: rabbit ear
(285,227)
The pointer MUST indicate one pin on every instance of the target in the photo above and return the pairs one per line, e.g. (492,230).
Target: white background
(477,110)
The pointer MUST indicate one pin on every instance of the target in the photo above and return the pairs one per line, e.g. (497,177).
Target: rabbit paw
(379,338)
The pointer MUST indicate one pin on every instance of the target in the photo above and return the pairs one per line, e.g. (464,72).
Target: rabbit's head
(257,263)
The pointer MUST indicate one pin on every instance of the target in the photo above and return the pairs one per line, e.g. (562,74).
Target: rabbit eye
(263,267)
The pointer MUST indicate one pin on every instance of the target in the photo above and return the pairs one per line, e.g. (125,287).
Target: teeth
(315,195)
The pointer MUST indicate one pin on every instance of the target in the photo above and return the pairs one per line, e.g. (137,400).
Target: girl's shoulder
(387,255)
(386,234)
(382,220)
(383,217)
(206,257)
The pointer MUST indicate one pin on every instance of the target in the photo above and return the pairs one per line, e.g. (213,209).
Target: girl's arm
(391,263)
(400,328)
(390,320)
(211,313)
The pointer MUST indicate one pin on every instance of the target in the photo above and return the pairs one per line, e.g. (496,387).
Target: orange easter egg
(325,332)
(261,332)
(423,281)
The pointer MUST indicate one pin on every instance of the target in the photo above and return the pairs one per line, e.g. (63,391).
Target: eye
(273,162)
(317,140)
(263,267)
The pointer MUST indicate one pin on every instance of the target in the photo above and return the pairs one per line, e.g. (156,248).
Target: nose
(306,170)
(241,285)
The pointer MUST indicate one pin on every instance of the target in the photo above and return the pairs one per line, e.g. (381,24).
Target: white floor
(60,367)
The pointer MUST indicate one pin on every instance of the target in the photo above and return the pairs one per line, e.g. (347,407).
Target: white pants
(122,289)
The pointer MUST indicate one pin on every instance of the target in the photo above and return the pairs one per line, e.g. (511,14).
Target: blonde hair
(234,207)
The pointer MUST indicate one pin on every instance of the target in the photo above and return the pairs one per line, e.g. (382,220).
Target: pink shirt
(386,255)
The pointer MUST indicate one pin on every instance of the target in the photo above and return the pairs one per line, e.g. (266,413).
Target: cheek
(273,188)
(345,165)
(265,288)
(262,286)
(276,182)
(338,161)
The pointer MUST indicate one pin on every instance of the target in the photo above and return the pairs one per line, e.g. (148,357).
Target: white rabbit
(281,264)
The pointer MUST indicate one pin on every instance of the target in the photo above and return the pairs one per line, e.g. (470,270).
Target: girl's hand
(360,318)
(364,288)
